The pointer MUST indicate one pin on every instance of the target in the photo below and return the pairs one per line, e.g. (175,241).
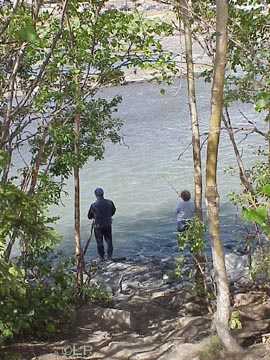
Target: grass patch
(212,350)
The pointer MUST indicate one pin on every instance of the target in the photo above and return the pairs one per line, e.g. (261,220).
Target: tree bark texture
(77,220)
(223,294)
(196,145)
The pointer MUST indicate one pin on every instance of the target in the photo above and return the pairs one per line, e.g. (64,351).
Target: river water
(136,175)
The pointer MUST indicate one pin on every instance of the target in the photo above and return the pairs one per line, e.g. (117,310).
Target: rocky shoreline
(153,317)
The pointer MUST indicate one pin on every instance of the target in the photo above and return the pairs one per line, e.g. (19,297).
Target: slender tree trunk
(78,248)
(37,164)
(13,237)
(32,178)
(242,172)
(268,134)
(7,166)
(5,131)
(5,140)
(199,258)
(223,294)
(196,145)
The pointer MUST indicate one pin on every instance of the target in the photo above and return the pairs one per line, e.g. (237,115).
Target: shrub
(190,241)
(212,350)
(38,305)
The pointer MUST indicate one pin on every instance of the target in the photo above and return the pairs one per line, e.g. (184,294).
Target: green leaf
(51,328)
(4,158)
(28,33)
(13,271)
(266,190)
(258,215)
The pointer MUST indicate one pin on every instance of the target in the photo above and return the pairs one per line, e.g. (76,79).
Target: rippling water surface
(135,175)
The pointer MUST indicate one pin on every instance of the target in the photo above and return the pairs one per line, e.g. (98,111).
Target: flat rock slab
(186,351)
(107,316)
(252,297)
(148,319)
(51,356)
(121,317)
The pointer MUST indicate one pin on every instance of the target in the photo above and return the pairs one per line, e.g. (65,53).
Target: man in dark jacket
(102,211)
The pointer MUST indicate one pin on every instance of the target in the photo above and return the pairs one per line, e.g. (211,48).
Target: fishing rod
(89,239)
(81,268)
(170,185)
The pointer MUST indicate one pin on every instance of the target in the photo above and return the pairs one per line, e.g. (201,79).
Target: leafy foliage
(260,266)
(97,125)
(190,241)
(41,301)
(26,216)
(53,62)
(249,52)
(255,206)
(213,350)
(235,322)
(192,238)
(38,306)
(59,59)
(259,216)
(247,77)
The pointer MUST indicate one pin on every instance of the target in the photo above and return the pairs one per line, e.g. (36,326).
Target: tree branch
(45,62)
(8,20)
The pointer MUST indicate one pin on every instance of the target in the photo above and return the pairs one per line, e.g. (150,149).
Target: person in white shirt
(185,211)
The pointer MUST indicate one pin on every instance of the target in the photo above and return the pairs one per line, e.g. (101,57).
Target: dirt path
(151,317)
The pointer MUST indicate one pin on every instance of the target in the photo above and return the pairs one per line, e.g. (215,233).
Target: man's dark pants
(104,231)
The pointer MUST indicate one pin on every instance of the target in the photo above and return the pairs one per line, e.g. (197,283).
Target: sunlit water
(136,175)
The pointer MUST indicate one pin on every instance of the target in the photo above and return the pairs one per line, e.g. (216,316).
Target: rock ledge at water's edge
(152,318)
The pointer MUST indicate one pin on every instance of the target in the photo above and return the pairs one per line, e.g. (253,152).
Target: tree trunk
(243,177)
(184,15)
(223,295)
(37,163)
(196,145)
(78,248)
(7,166)
(268,134)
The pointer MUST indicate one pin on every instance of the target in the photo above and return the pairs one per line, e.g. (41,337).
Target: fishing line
(171,185)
